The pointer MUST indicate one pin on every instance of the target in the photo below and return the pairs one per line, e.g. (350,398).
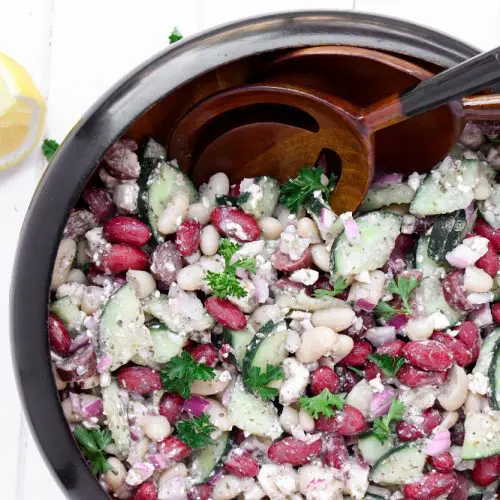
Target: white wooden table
(76,49)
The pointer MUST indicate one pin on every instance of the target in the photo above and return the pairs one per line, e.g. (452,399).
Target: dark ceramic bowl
(178,69)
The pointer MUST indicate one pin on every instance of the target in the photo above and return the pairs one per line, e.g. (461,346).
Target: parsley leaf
(195,432)
(357,371)
(92,444)
(257,381)
(180,372)
(381,425)
(323,404)
(225,283)
(295,192)
(390,365)
(338,287)
(175,36)
(402,287)
(232,200)
(49,148)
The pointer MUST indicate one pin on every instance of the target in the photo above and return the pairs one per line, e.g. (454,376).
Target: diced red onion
(327,217)
(388,179)
(216,476)
(351,228)
(380,335)
(381,402)
(104,363)
(159,461)
(398,321)
(482,316)
(75,403)
(365,305)
(261,289)
(461,257)
(469,212)
(80,341)
(92,406)
(136,433)
(195,405)
(480,298)
(438,443)
(139,472)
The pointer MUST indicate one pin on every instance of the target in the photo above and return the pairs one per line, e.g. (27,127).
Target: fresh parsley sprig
(389,365)
(181,371)
(322,404)
(49,148)
(257,381)
(195,432)
(338,287)
(92,443)
(175,36)
(226,284)
(402,287)
(381,426)
(295,192)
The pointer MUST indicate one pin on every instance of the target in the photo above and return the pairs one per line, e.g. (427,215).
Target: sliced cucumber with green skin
(490,208)
(494,378)
(372,449)
(239,341)
(153,150)
(382,196)
(122,333)
(399,465)
(252,414)
(429,267)
(429,299)
(378,232)
(263,201)
(67,311)
(447,232)
(482,436)
(115,404)
(206,460)
(485,358)
(166,344)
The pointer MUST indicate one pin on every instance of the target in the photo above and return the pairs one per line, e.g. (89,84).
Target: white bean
(336,318)
(92,299)
(190,278)
(227,487)
(219,184)
(210,387)
(267,479)
(142,282)
(270,227)
(218,415)
(174,213)
(156,427)
(267,312)
(177,470)
(115,477)
(67,408)
(64,259)
(199,212)
(316,342)
(321,257)
(474,403)
(342,348)
(306,421)
(289,418)
(210,239)
(420,328)
(477,280)
(455,391)
(307,228)
(193,258)
(77,276)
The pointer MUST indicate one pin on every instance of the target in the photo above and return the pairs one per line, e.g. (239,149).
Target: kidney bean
(443,462)
(171,406)
(495,311)
(371,371)
(486,470)
(430,485)
(120,258)
(432,419)
(484,229)
(172,448)
(241,465)
(413,377)
(146,491)
(454,291)
(394,348)
(468,334)
(462,355)
(423,224)
(139,379)
(335,452)
(396,262)
(489,261)
(166,262)
(292,451)
(129,230)
(79,222)
(428,355)
(187,237)
(80,365)
(121,161)
(287,286)
(200,492)
(408,432)
(226,313)
(235,223)
(461,490)
(59,339)
(238,436)
(100,202)
(204,353)
(359,354)
(324,378)
(355,331)
(347,422)
(350,379)
(283,262)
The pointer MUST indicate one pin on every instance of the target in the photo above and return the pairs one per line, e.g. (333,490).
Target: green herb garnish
(49,148)
(381,426)
(257,381)
(357,371)
(338,287)
(403,287)
(232,200)
(322,404)
(92,443)
(175,36)
(195,432)
(389,365)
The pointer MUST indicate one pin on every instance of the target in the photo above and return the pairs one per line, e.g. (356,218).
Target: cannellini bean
(210,387)
(137,450)
(306,228)
(289,418)
(115,477)
(321,257)
(270,227)
(336,318)
(156,427)
(172,484)
(77,276)
(296,380)
(306,421)
(218,415)
(200,212)
(319,482)
(455,391)
(316,342)
(342,348)
(265,313)
(190,278)
(92,299)
(142,282)
(227,487)
(217,185)
(174,213)
(67,408)
(268,479)
(177,470)
(474,403)
(420,328)
(193,258)
(64,259)
(449,420)
(210,239)
(477,280)
(360,397)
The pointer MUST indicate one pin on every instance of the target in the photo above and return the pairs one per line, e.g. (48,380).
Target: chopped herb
(322,404)
(338,287)
(381,426)
(232,200)
(357,371)
(92,444)
(225,283)
(175,36)
(181,371)
(257,381)
(195,432)
(49,148)
(402,287)
(389,365)
(86,266)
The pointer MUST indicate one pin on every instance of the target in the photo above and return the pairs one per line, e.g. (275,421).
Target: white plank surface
(76,49)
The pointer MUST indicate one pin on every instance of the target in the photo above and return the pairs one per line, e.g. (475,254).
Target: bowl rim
(60,187)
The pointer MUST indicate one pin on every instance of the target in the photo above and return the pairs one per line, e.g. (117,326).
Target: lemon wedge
(22,113)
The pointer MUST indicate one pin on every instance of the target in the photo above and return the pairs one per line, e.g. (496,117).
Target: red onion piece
(80,341)
(195,405)
(469,212)
(365,305)
(216,476)
(92,406)
(398,321)
(327,217)
(461,257)
(104,363)
(351,228)
(380,335)
(261,289)
(75,403)
(159,461)
(381,402)
(482,316)
(440,442)
(388,179)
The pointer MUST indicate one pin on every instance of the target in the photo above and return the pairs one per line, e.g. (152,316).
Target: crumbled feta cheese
(236,229)
(440,320)
(139,472)
(357,480)
(414,181)
(292,343)
(478,383)
(305,276)
(376,384)
(225,376)
(408,224)
(255,191)
(73,290)
(292,244)
(480,298)
(363,277)
(125,196)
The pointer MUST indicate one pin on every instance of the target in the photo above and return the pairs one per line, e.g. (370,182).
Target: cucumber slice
(382,196)
(67,311)
(378,233)
(122,333)
(115,403)
(494,378)
(482,436)
(429,267)
(430,299)
(239,340)
(252,414)
(206,460)
(263,198)
(490,208)
(448,187)
(485,358)
(166,344)
(399,465)
(372,449)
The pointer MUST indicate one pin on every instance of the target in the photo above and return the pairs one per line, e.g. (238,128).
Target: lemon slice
(22,113)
